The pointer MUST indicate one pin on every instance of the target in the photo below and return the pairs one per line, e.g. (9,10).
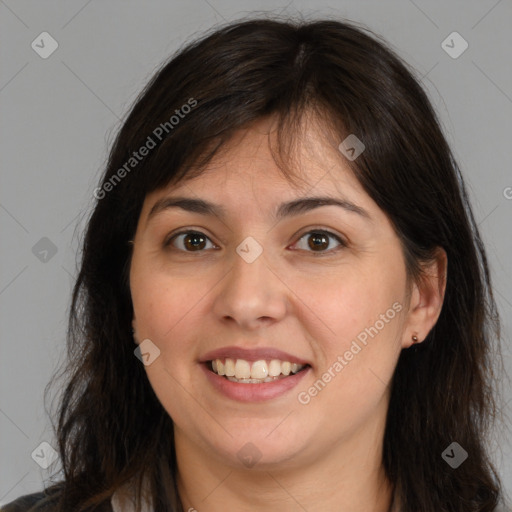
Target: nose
(251,295)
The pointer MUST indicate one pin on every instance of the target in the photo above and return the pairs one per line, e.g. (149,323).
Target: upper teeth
(242,369)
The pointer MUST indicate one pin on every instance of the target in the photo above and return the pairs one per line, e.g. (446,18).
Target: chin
(260,448)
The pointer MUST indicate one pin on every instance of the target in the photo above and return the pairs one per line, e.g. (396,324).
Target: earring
(415,339)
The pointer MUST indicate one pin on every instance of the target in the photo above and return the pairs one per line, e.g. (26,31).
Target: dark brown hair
(112,428)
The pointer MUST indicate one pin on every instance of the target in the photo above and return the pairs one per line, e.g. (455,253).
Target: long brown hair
(111,427)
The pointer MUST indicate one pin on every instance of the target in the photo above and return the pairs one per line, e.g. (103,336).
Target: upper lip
(254,354)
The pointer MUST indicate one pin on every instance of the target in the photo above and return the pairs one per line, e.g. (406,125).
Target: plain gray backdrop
(59,115)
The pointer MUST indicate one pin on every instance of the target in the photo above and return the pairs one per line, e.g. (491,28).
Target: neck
(349,477)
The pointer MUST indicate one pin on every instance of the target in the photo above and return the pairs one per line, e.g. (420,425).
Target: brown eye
(319,241)
(189,241)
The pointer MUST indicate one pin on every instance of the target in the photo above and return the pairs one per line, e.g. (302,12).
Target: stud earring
(415,339)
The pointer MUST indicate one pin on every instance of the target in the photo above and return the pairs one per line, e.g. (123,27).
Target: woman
(284,301)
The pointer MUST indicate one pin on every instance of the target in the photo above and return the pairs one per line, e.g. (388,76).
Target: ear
(427,298)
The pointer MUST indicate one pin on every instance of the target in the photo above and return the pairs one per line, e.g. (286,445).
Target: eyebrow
(291,208)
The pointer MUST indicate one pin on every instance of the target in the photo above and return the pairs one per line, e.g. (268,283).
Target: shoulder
(37,502)
(25,503)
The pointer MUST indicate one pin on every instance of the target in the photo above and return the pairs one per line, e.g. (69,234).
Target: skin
(323,455)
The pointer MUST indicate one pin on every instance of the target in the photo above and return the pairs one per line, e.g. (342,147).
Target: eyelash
(342,243)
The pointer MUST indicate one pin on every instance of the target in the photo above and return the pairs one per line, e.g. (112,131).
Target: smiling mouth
(257,372)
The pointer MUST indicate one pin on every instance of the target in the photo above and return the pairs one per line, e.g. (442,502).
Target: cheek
(163,303)
(361,347)
(164,310)
(358,306)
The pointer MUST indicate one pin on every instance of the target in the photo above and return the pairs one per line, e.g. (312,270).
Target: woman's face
(271,278)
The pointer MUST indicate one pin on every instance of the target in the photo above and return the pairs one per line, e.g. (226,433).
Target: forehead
(245,170)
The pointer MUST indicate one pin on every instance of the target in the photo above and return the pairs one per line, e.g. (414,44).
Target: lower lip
(253,392)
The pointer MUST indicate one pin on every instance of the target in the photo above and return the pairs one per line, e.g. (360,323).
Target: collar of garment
(123,500)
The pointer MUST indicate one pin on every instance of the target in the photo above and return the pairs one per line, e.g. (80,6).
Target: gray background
(59,115)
